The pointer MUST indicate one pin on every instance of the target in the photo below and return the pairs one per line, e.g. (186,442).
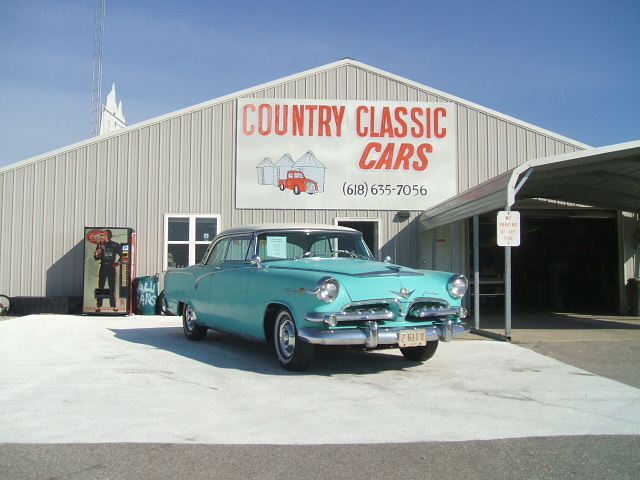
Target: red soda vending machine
(109,269)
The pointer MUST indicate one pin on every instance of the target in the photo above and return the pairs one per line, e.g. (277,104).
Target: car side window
(218,252)
(238,251)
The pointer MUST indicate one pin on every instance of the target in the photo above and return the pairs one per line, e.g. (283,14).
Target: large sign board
(336,154)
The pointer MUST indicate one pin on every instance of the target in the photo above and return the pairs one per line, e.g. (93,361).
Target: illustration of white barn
(267,172)
(312,168)
(270,174)
(282,167)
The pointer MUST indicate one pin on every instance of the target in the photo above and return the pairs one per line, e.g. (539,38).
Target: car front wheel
(292,353)
(192,330)
(420,354)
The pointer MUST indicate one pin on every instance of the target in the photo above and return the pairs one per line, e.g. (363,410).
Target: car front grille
(428,309)
(423,310)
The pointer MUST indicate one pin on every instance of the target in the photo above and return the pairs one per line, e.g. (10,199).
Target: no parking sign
(508,229)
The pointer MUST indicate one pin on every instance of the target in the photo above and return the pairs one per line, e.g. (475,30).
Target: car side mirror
(255,260)
(387,259)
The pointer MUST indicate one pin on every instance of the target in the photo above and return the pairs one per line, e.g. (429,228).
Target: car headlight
(327,289)
(457,286)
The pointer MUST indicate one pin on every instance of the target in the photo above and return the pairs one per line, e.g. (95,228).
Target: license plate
(412,338)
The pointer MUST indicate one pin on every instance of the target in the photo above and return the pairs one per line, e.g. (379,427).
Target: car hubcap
(190,318)
(287,338)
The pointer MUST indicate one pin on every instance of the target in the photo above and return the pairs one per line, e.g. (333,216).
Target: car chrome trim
(441,301)
(321,282)
(190,274)
(216,270)
(371,335)
(350,316)
(389,273)
(373,301)
(404,293)
(374,335)
(426,312)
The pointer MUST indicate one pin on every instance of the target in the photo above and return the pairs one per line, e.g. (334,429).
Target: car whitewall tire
(192,330)
(292,353)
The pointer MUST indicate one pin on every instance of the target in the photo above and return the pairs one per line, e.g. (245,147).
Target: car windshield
(287,245)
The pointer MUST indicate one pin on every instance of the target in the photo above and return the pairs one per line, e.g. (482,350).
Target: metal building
(388,149)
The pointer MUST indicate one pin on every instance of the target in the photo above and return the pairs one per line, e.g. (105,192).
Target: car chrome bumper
(373,335)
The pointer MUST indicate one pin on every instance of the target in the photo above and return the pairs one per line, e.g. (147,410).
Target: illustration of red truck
(297,182)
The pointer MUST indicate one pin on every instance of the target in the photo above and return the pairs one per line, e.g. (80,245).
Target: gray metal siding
(184,163)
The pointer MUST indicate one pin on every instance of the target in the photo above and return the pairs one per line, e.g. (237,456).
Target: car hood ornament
(404,292)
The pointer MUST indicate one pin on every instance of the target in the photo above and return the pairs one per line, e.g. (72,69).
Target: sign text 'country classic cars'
(378,155)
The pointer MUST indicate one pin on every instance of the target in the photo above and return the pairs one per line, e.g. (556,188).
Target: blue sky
(572,67)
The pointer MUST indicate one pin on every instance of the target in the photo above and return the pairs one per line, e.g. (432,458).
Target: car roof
(266,227)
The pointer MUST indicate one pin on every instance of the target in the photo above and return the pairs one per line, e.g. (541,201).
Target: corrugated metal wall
(185,163)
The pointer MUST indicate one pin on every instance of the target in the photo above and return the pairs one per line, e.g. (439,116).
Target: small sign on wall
(508,229)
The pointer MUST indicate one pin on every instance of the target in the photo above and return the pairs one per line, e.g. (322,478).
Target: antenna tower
(96,91)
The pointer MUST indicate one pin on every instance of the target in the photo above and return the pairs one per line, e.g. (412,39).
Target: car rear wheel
(296,190)
(292,353)
(192,330)
(5,305)
(420,354)
(161,305)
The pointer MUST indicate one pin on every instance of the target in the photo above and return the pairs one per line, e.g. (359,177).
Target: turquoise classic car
(301,286)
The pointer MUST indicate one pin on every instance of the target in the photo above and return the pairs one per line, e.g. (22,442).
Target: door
(227,287)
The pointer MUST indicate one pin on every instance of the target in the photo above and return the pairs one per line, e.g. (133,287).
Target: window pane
(206,229)
(178,229)
(178,256)
(201,249)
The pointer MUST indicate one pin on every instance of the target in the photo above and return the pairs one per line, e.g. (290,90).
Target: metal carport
(606,178)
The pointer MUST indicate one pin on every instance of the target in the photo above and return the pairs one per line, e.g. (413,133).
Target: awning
(605,178)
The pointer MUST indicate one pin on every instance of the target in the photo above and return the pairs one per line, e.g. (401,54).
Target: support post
(476,271)
(507,292)
(507,289)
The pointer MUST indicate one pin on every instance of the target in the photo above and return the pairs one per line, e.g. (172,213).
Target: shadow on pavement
(227,351)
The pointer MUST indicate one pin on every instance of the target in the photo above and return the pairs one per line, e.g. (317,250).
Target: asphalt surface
(602,344)
(130,397)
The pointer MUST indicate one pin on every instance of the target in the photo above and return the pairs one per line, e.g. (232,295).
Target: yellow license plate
(412,338)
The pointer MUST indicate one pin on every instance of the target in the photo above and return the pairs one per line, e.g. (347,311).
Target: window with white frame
(187,238)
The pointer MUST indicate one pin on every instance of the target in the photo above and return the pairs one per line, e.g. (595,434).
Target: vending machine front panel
(108,270)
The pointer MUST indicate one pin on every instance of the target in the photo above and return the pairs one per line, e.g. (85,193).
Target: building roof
(258,90)
(605,178)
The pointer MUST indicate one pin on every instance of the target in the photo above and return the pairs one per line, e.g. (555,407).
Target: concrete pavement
(80,379)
